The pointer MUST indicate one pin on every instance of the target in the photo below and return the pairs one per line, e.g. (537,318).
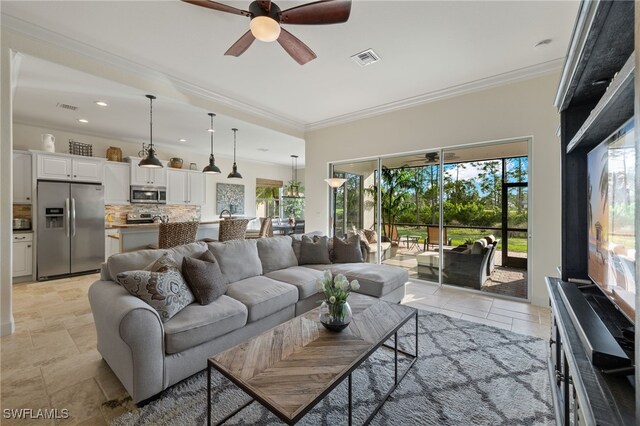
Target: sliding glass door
(457,217)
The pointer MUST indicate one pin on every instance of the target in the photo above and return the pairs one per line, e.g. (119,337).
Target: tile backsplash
(175,213)
(22,211)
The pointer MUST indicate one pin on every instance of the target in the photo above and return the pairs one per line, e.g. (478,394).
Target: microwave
(148,194)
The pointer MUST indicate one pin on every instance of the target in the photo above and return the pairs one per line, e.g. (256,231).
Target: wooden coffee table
(292,367)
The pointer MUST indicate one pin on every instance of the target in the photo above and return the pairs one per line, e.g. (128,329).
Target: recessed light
(182,140)
(83,120)
(101,103)
(211,130)
(542,43)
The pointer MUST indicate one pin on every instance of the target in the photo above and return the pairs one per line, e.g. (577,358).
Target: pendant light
(293,190)
(150,161)
(234,172)
(211,168)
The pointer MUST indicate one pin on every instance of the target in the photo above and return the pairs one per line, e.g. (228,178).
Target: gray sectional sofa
(266,287)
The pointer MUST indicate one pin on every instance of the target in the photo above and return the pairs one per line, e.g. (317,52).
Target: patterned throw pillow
(371,236)
(160,285)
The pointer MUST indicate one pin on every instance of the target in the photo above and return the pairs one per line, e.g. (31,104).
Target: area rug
(466,374)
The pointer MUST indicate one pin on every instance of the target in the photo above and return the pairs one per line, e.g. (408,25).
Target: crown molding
(437,95)
(44,36)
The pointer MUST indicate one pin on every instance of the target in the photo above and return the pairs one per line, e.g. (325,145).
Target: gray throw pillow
(276,253)
(166,292)
(314,251)
(204,277)
(347,251)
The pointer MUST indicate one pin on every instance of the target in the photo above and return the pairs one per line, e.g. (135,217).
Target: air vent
(67,106)
(366,57)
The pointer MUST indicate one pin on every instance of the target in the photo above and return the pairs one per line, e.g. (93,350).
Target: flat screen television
(611,218)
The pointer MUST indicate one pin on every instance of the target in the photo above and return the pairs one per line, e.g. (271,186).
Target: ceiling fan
(431,158)
(266,18)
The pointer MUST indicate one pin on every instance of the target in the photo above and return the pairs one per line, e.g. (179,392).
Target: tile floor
(51,360)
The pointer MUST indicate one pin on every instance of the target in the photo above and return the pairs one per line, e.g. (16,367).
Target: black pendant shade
(211,167)
(150,161)
(234,172)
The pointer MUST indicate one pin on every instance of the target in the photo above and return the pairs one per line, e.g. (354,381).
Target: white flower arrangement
(336,291)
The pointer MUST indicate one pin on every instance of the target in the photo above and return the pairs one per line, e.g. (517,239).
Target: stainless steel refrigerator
(70,228)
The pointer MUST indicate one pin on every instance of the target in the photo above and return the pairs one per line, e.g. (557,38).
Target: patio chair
(391,232)
(174,234)
(433,237)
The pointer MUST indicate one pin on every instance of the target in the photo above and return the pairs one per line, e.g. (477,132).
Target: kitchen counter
(150,225)
(23,231)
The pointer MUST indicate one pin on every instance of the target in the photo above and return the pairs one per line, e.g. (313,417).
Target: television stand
(582,393)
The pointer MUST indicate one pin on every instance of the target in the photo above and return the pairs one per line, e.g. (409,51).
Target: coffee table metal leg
(350,403)
(395,356)
(208,394)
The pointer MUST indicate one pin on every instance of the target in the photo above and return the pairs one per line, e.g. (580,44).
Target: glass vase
(335,316)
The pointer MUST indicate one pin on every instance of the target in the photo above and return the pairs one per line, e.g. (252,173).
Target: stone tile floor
(51,360)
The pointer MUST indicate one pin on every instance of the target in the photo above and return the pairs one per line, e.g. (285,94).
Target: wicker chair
(266,229)
(232,229)
(177,233)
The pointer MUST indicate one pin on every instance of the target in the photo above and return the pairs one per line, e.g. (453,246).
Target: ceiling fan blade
(294,47)
(240,46)
(318,13)
(265,5)
(219,7)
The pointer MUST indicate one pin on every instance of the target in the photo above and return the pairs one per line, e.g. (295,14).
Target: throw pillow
(372,236)
(166,292)
(164,263)
(363,238)
(347,251)
(314,251)
(204,277)
(478,246)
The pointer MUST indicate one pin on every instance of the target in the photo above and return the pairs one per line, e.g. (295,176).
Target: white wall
(29,137)
(515,110)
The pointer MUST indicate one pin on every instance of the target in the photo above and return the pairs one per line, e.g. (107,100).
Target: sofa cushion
(371,235)
(198,324)
(314,251)
(140,259)
(166,292)
(347,251)
(303,278)
(238,259)
(262,296)
(490,239)
(204,277)
(276,253)
(375,280)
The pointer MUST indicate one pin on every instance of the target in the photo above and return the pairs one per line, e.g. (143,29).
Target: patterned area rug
(466,374)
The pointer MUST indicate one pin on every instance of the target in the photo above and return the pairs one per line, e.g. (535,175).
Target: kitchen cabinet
(185,187)
(70,167)
(111,243)
(117,178)
(144,176)
(22,254)
(22,180)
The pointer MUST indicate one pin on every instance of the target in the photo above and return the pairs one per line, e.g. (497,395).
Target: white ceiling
(42,85)
(426,47)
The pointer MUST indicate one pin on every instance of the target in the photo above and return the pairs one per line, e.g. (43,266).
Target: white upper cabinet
(185,187)
(22,180)
(144,176)
(116,182)
(56,167)
(70,167)
(177,182)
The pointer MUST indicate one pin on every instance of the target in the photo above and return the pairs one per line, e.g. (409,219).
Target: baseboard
(7,328)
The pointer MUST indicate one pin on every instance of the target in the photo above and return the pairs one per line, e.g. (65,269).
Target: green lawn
(458,236)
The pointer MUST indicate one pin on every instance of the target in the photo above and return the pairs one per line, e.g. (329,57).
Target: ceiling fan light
(265,28)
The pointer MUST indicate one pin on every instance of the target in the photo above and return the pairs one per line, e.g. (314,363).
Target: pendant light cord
(234,145)
(151,122)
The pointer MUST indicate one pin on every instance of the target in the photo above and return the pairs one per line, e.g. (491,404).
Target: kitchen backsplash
(22,211)
(175,213)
